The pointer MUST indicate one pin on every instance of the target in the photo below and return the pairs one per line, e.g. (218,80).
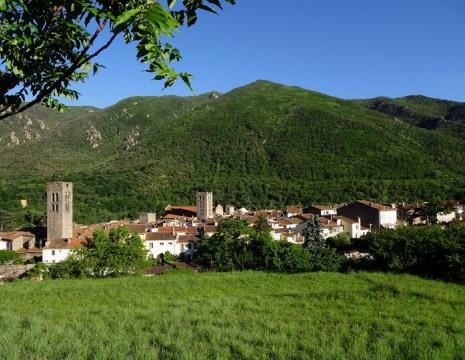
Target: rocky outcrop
(132,139)
(93,136)
(14,140)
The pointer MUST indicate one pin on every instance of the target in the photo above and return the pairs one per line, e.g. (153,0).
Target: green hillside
(264,144)
(234,316)
(428,113)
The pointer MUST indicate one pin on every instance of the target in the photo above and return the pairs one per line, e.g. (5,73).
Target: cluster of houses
(181,227)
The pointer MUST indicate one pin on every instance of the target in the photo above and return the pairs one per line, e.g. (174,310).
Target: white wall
(157,247)
(388,218)
(51,256)
(446,218)
(4,245)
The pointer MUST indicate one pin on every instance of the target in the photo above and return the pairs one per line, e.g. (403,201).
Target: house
(58,250)
(371,214)
(138,229)
(353,227)
(186,244)
(176,230)
(158,243)
(321,210)
(16,240)
(229,210)
(219,211)
(293,210)
(412,213)
(208,230)
(329,228)
(446,217)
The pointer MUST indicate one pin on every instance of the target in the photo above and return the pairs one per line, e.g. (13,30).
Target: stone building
(147,218)
(204,205)
(59,210)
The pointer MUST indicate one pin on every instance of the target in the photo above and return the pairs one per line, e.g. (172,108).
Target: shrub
(38,272)
(427,251)
(340,242)
(289,258)
(10,257)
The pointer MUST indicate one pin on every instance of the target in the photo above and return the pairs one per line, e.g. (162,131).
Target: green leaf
(171,3)
(2,5)
(125,18)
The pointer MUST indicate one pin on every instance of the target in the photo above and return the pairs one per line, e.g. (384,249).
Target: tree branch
(80,60)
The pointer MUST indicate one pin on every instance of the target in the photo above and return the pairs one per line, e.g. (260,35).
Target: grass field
(234,315)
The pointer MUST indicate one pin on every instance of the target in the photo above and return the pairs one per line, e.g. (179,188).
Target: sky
(345,48)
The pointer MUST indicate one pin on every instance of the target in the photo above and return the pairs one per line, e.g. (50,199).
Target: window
(161,244)
(53,252)
(151,245)
(170,243)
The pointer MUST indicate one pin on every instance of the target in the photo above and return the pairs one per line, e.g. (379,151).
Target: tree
(47,45)
(118,253)
(312,234)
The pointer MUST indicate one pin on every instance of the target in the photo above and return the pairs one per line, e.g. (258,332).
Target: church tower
(204,205)
(59,210)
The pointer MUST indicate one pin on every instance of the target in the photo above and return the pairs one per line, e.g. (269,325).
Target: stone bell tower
(59,210)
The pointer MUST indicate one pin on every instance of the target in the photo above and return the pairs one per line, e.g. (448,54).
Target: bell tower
(59,210)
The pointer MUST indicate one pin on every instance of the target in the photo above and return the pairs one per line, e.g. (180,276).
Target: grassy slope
(235,315)
(260,145)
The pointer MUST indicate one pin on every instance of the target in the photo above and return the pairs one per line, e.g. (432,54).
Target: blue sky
(345,48)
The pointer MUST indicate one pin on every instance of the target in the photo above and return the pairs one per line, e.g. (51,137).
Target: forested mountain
(260,145)
(424,112)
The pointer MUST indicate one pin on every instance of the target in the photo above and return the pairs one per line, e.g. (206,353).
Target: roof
(346,219)
(66,243)
(15,234)
(376,205)
(173,217)
(30,250)
(323,207)
(188,238)
(177,229)
(86,231)
(294,209)
(157,236)
(137,228)
(210,228)
(182,207)
(325,222)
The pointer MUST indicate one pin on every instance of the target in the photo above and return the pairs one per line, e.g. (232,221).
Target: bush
(38,272)
(325,259)
(341,242)
(10,257)
(289,258)
(426,251)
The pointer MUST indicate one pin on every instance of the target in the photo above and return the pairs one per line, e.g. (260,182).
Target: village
(182,226)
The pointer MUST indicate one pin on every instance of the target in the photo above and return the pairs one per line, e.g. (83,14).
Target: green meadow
(247,315)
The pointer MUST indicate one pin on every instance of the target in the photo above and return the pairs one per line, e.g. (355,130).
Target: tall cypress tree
(312,234)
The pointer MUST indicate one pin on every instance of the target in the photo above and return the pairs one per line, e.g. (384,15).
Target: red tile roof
(157,236)
(66,243)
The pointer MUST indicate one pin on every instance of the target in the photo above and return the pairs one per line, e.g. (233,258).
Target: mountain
(424,112)
(264,144)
